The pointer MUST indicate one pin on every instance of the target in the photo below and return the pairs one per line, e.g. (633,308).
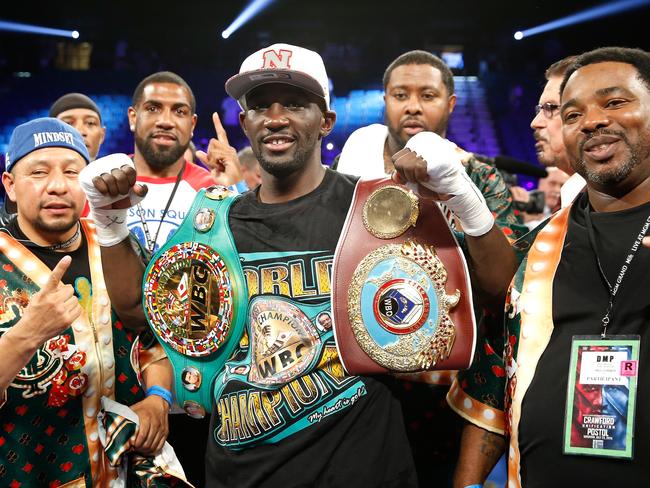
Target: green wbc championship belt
(195,298)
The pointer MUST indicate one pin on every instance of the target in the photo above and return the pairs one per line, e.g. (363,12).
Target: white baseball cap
(281,63)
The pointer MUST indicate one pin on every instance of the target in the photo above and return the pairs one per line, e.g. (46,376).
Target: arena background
(499,78)
(498,81)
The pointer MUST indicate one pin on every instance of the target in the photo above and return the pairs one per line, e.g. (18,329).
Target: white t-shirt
(151,208)
(363,152)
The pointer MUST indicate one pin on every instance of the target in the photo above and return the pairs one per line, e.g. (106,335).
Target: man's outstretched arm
(492,265)
(123,272)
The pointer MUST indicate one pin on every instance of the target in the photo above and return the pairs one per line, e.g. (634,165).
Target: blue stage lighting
(584,16)
(36,29)
(248,13)
(519,35)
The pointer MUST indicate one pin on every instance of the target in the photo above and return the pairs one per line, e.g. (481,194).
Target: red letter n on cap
(277,60)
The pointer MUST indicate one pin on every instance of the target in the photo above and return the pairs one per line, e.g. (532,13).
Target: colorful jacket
(48,424)
(490,393)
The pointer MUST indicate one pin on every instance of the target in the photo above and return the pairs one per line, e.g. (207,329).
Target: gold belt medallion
(390,211)
(399,308)
(188,298)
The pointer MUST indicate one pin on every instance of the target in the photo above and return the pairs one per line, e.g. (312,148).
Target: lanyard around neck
(613,289)
(151,243)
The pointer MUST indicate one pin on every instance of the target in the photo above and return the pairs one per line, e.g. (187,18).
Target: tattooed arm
(479,452)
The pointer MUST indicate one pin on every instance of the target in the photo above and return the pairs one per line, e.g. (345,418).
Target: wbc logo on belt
(284,340)
(188,298)
(191,303)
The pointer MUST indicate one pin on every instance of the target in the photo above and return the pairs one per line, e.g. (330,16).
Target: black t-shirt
(580,300)
(287,415)
(79,267)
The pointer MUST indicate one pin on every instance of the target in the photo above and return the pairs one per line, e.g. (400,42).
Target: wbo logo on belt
(401,290)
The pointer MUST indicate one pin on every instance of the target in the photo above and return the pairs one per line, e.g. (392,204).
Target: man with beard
(61,344)
(162,119)
(582,273)
(295,418)
(419,96)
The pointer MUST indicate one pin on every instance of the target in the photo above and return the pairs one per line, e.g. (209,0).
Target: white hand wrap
(110,223)
(447,175)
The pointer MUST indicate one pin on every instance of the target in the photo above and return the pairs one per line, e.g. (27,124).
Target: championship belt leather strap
(195,298)
(402,298)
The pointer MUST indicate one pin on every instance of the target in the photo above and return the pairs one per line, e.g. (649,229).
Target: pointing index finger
(222,136)
(57,273)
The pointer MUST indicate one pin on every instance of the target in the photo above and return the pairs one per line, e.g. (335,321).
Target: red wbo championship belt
(401,296)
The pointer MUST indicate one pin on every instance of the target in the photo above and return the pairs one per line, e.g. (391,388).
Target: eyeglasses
(548,108)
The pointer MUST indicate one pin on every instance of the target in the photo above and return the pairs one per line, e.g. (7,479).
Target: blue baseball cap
(40,133)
